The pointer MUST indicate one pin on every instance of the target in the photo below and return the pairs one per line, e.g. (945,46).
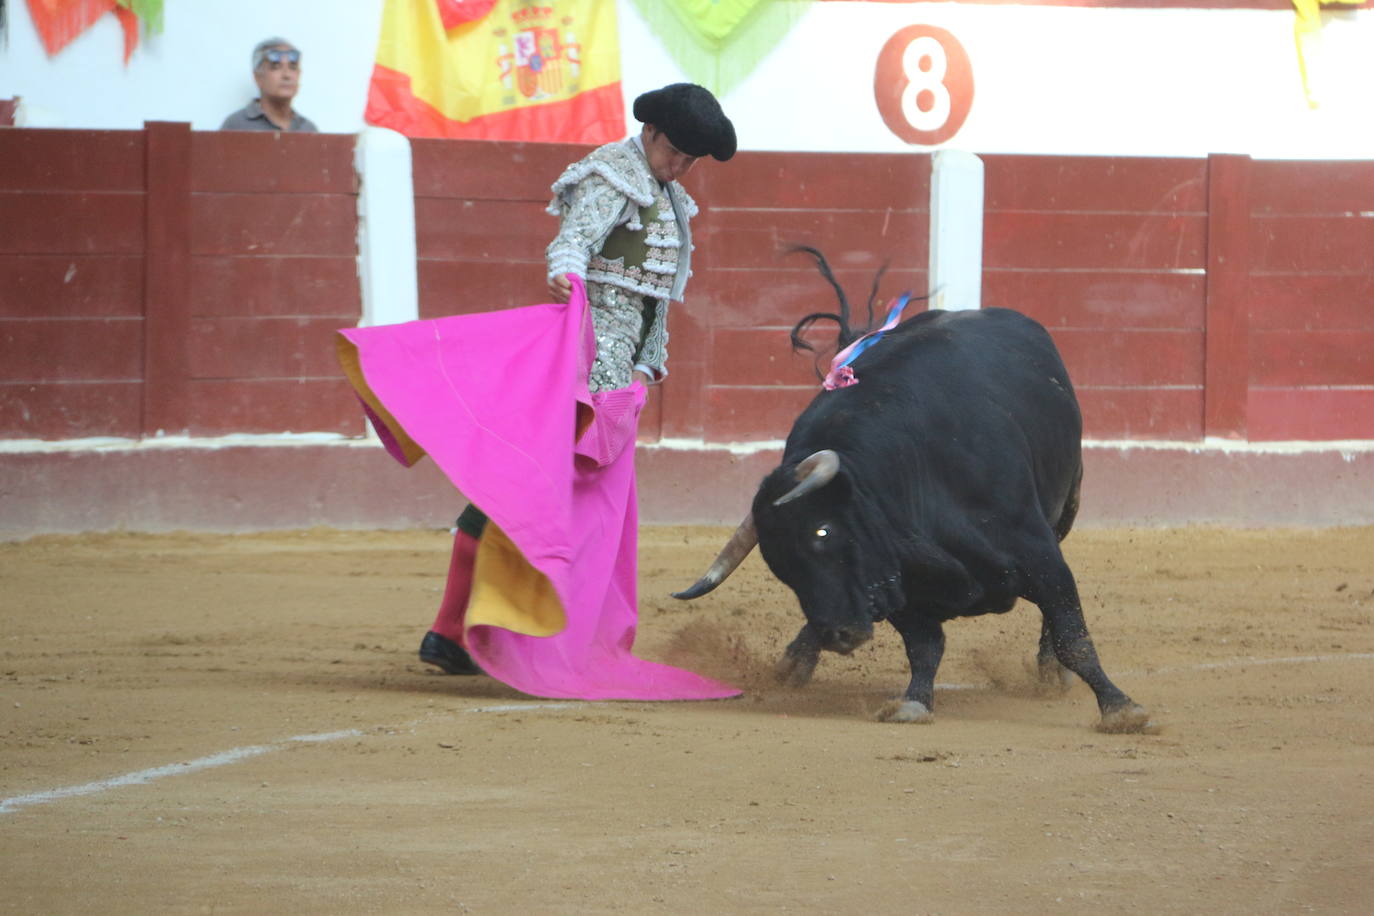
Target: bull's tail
(1064,523)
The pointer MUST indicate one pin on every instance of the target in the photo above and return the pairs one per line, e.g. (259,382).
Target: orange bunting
(60,21)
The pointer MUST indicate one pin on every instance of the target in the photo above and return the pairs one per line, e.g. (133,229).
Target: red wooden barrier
(167,283)
(220,322)
(1311,238)
(1227,356)
(1109,254)
(191,282)
(735,377)
(71,283)
(273,246)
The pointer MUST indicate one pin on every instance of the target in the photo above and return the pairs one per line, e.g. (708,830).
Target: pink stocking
(454,607)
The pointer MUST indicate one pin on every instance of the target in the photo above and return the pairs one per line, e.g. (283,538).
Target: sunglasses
(277,56)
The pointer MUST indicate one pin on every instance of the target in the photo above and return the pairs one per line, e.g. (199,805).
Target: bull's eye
(823,531)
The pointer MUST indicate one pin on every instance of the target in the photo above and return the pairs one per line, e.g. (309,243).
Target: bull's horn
(730,557)
(813,473)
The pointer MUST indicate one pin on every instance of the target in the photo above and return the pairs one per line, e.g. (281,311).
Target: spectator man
(277,71)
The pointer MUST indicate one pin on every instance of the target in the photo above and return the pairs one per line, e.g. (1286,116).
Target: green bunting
(718,43)
(149,13)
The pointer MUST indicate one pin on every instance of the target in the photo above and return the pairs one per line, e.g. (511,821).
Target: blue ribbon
(864,343)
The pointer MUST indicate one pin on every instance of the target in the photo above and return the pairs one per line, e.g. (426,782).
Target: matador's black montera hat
(691,117)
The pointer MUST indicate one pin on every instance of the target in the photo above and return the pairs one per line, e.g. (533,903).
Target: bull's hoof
(1128,720)
(903,710)
(795,671)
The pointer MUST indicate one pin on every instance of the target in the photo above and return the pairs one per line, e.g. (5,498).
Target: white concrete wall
(1047,79)
(198,69)
(1079,80)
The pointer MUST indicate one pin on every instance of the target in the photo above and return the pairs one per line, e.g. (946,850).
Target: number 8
(931,81)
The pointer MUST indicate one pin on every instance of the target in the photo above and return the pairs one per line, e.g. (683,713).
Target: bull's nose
(844,639)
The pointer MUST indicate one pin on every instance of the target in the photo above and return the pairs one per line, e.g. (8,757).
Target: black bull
(937,487)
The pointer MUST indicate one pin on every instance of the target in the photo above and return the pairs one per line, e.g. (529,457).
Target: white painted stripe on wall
(173,443)
(336,440)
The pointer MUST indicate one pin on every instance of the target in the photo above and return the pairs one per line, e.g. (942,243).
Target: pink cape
(499,400)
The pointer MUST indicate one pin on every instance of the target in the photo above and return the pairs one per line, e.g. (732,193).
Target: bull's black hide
(938,486)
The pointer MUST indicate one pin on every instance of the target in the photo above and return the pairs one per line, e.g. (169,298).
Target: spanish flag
(545,72)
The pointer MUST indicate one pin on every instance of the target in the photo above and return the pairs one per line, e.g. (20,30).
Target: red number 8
(923,84)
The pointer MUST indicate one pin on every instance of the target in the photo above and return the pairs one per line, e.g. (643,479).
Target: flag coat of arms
(545,72)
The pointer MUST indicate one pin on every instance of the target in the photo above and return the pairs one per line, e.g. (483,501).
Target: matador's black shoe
(446,655)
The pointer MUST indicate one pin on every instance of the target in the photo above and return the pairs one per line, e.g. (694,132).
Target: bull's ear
(814,472)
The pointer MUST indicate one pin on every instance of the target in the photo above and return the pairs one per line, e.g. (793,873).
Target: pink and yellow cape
(499,400)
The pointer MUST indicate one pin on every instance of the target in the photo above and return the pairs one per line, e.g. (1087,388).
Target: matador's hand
(560,288)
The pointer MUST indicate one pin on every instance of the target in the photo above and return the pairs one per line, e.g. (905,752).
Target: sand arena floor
(195,723)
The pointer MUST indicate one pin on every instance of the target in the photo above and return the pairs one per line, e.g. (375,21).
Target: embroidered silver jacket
(604,190)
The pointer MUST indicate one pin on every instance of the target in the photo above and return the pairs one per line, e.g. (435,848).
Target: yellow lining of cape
(508,592)
(348,359)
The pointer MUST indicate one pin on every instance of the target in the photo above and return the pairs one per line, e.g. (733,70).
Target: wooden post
(167,279)
(1226,369)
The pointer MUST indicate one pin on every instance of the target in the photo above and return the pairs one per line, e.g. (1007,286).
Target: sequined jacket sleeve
(654,353)
(590,210)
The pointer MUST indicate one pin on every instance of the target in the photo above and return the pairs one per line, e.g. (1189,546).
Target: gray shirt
(251,117)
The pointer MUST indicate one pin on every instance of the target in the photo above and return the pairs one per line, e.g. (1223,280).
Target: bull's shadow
(933,477)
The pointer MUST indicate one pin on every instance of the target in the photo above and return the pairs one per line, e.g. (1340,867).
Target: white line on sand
(139,777)
(234,755)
